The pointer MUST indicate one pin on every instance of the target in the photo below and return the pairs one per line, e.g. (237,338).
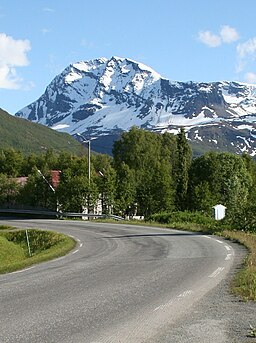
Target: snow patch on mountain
(104,96)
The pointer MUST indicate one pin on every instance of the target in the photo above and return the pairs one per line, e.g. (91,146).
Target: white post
(29,251)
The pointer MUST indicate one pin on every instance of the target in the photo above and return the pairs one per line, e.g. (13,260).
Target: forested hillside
(28,137)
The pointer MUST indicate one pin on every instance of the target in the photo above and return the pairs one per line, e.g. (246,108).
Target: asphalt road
(120,284)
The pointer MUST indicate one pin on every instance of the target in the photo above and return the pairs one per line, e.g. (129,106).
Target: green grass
(5,227)
(45,246)
(10,253)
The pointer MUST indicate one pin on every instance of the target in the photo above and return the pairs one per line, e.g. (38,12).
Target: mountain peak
(105,96)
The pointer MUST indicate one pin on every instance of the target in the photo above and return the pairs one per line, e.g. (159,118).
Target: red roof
(55,178)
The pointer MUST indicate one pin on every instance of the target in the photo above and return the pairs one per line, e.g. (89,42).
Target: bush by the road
(195,220)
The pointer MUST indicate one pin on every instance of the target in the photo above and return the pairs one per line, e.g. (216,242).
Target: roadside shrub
(181,217)
(194,221)
(245,219)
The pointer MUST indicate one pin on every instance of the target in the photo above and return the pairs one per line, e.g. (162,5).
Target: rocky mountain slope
(103,97)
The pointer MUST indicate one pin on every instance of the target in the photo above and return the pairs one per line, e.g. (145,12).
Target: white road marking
(227,247)
(78,240)
(216,272)
(218,241)
(59,258)
(171,301)
(184,294)
(228,257)
(74,252)
(161,307)
(23,270)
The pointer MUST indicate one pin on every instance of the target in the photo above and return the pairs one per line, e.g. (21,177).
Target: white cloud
(48,9)
(13,53)
(228,34)
(247,48)
(250,77)
(246,54)
(45,31)
(209,39)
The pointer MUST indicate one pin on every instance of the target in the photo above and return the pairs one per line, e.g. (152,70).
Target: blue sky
(183,40)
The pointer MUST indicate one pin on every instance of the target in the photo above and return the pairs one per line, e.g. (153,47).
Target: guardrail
(58,214)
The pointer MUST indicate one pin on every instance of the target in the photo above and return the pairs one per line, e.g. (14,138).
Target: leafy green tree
(105,178)
(48,160)
(125,203)
(8,190)
(37,192)
(221,178)
(75,192)
(250,164)
(169,149)
(65,160)
(11,162)
(203,198)
(29,162)
(245,219)
(143,152)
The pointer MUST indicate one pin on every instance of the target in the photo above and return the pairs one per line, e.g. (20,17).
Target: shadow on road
(158,235)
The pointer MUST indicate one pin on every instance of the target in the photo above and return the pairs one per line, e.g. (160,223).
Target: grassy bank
(44,246)
(244,283)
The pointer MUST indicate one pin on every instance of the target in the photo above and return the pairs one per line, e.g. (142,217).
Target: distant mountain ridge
(103,97)
(27,137)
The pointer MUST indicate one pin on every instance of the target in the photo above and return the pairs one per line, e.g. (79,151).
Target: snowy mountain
(103,97)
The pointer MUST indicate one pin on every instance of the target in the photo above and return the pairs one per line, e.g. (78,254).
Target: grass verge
(244,283)
(45,246)
(5,227)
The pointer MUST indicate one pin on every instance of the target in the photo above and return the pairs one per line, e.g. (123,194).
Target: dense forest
(148,174)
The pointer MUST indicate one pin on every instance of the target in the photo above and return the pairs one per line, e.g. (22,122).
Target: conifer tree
(183,162)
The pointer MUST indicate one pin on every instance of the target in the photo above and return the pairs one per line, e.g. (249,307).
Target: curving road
(120,284)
